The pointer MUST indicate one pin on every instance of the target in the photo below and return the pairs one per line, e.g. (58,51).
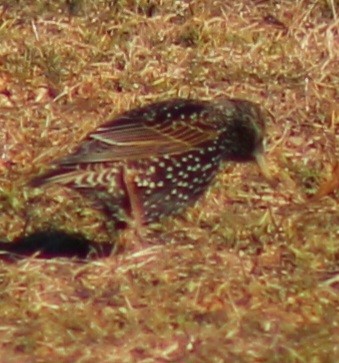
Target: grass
(250,274)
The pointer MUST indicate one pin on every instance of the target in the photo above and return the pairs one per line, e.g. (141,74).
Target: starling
(154,161)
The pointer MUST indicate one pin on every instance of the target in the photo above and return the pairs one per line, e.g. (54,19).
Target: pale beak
(261,161)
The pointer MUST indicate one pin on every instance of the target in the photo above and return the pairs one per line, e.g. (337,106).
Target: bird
(154,161)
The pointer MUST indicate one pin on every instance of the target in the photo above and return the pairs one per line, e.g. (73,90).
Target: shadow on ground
(52,244)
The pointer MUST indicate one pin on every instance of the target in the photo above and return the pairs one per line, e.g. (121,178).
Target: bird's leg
(135,204)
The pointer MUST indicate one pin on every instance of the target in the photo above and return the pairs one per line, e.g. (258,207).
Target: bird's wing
(135,135)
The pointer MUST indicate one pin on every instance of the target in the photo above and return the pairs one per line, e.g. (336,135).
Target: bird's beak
(261,161)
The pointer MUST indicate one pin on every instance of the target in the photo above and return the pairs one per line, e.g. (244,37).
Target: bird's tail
(63,176)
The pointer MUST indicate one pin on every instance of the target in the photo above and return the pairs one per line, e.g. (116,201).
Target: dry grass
(251,273)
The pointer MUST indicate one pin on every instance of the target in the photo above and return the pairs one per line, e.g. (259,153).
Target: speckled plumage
(153,161)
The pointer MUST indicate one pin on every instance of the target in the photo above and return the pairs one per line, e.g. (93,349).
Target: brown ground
(248,275)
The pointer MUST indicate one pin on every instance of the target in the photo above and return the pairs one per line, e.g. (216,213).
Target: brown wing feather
(136,135)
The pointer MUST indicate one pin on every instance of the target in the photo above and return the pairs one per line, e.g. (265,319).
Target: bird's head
(245,130)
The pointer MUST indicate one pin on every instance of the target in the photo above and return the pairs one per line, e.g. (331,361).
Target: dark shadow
(52,244)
